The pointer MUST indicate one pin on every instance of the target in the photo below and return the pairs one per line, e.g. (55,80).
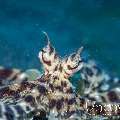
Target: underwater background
(70,24)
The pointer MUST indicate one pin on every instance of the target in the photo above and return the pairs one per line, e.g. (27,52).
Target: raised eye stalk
(47,37)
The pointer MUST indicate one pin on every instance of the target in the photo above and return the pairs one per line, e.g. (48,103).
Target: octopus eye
(46,49)
(80,61)
(43,51)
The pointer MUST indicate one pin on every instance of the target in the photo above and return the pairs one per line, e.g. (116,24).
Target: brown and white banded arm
(48,57)
(72,64)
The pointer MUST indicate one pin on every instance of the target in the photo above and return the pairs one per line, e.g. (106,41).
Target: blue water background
(94,24)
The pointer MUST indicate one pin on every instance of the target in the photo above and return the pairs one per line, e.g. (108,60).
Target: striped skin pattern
(100,86)
(9,76)
(14,112)
(52,63)
(14,92)
(53,93)
(14,84)
(66,67)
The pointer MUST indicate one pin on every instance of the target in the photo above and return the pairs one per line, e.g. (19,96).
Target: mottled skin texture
(99,85)
(52,92)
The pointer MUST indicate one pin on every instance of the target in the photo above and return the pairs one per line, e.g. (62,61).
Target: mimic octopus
(52,96)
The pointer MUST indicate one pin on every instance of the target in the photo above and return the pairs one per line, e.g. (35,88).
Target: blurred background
(70,24)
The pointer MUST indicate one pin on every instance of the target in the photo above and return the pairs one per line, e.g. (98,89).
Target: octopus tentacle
(53,93)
